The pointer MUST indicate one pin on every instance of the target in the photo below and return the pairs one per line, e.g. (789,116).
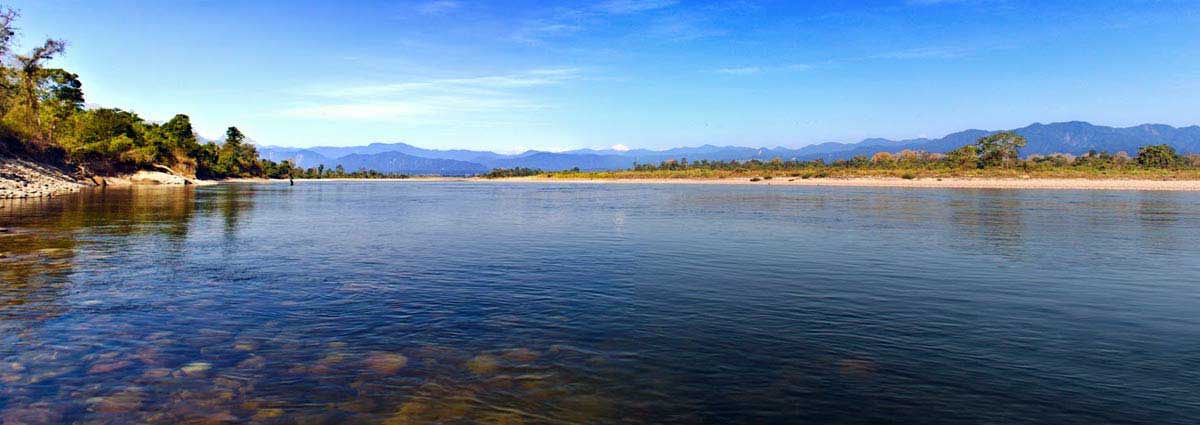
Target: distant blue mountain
(397,162)
(1075,137)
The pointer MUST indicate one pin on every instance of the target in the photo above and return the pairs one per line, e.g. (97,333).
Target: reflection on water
(416,302)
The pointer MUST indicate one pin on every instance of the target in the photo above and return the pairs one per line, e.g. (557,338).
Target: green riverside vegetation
(995,155)
(42,116)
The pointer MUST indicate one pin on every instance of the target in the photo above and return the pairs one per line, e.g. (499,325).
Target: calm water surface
(414,302)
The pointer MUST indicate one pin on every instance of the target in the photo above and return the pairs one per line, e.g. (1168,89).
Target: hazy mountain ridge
(1074,137)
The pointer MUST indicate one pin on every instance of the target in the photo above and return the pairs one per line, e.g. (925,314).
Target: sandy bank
(944,183)
(409,179)
(150,178)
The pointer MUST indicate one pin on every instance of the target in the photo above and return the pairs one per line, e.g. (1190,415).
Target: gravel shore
(21,178)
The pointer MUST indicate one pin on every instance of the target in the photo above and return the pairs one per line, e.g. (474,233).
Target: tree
(1157,156)
(999,149)
(7,32)
(235,158)
(62,97)
(30,73)
(964,157)
(883,158)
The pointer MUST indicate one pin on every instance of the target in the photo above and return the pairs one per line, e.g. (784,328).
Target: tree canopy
(42,113)
(1000,149)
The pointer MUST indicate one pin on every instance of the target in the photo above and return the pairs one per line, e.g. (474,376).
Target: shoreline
(895,182)
(61,184)
(407,179)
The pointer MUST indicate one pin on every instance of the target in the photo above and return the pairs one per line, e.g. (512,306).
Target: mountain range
(1075,137)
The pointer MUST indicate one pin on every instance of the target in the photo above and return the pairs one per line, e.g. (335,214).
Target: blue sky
(514,75)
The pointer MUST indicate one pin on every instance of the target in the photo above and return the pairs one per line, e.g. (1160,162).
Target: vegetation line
(993,156)
(42,117)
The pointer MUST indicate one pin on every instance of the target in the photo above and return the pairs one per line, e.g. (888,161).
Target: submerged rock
(196,368)
(125,401)
(253,363)
(109,367)
(37,413)
(483,364)
(385,363)
(857,368)
(503,418)
(158,372)
(268,413)
(219,418)
(520,355)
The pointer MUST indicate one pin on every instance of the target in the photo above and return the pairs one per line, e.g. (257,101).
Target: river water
(524,303)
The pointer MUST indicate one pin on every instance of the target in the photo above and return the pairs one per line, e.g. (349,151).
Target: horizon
(657,74)
(623,148)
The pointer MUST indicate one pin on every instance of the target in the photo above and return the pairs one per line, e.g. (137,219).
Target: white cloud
(927,53)
(755,70)
(747,70)
(677,25)
(619,148)
(429,97)
(622,7)
(476,85)
(389,110)
(438,7)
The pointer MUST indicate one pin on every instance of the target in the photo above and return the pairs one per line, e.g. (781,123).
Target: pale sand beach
(943,183)
(408,179)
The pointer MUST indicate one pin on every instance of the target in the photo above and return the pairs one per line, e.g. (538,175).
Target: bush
(754,179)
(908,176)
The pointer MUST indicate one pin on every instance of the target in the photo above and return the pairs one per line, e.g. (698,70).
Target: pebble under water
(532,303)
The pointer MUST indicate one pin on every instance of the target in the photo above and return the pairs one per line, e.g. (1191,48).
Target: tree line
(42,115)
(996,151)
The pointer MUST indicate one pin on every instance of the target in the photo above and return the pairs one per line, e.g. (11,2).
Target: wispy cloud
(428,97)
(438,7)
(937,52)
(683,27)
(622,7)
(756,70)
(748,70)
(660,19)
(398,110)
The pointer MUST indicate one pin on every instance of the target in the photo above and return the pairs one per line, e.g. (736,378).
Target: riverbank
(406,179)
(943,182)
(22,178)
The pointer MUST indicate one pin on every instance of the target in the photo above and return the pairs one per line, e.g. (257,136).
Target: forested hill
(1074,138)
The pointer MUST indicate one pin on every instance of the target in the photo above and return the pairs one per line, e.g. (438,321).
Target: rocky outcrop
(21,178)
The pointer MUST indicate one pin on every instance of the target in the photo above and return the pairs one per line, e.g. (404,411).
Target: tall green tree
(31,72)
(1000,149)
(1157,156)
(964,157)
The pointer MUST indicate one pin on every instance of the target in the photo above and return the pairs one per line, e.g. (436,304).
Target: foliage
(515,172)
(1157,156)
(999,149)
(42,114)
(1155,162)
